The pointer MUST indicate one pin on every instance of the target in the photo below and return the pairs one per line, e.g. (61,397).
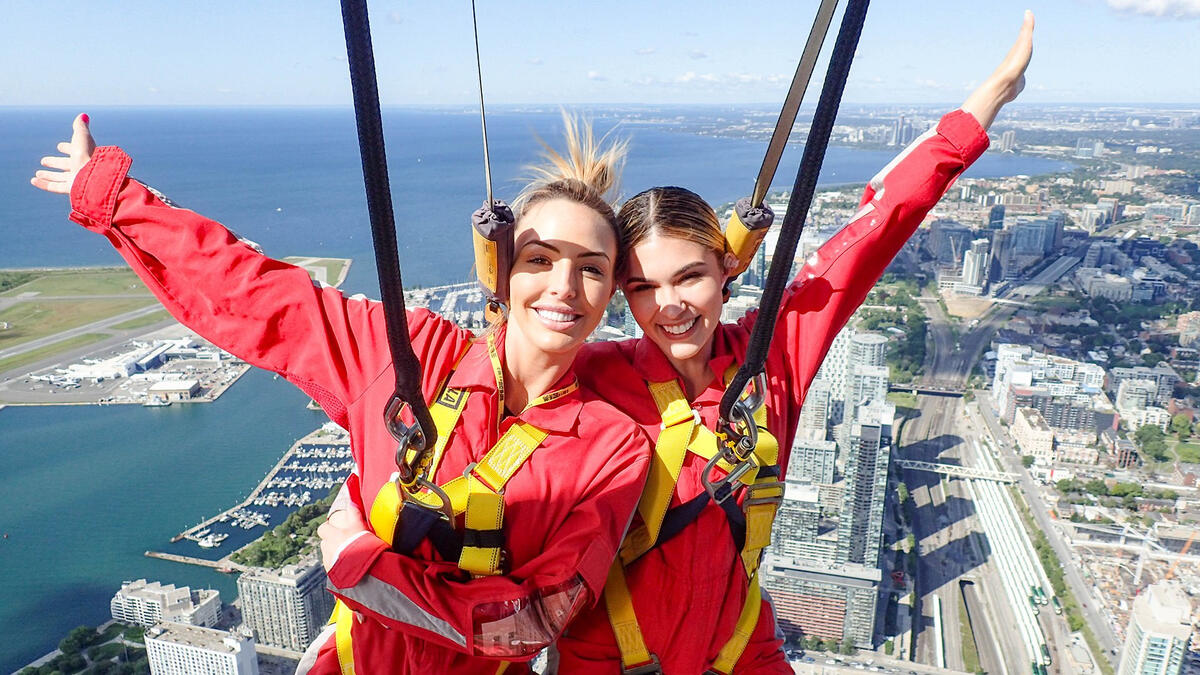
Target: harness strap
(635,656)
(749,524)
(343,618)
(747,621)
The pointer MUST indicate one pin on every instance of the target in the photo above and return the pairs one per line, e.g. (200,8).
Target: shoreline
(320,435)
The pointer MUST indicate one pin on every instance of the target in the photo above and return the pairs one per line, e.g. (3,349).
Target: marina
(311,468)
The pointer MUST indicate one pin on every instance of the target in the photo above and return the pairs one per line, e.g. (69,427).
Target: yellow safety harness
(681,433)
(477,495)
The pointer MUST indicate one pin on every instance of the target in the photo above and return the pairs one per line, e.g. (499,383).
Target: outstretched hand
(1003,85)
(62,170)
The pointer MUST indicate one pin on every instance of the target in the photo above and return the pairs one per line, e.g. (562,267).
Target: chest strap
(750,524)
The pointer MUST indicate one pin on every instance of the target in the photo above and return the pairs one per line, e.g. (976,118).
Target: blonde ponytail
(587,173)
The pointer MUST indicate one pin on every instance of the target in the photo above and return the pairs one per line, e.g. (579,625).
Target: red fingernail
(86,119)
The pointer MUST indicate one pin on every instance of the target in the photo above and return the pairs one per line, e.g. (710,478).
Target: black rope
(383,228)
(801,199)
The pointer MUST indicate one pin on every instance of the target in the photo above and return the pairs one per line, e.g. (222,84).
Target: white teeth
(555,316)
(680,329)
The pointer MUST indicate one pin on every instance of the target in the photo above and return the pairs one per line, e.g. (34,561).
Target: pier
(223,565)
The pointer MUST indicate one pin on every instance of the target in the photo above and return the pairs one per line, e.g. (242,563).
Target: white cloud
(596,76)
(645,51)
(690,34)
(1171,8)
(697,54)
(396,17)
(535,61)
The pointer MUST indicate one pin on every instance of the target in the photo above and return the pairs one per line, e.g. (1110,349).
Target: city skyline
(1129,51)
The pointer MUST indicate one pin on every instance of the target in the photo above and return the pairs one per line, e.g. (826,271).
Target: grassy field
(84,281)
(970,652)
(1188,452)
(49,350)
(33,319)
(332,266)
(141,321)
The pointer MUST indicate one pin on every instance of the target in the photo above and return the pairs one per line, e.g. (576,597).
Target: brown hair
(587,174)
(671,212)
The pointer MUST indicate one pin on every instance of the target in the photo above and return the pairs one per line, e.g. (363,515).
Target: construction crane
(1186,545)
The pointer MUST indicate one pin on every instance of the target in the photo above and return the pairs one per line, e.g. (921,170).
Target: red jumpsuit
(567,508)
(688,592)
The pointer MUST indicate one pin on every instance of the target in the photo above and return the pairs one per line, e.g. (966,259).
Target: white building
(143,603)
(286,607)
(1033,435)
(176,649)
(1159,627)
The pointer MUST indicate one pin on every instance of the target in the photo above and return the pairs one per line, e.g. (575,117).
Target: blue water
(85,490)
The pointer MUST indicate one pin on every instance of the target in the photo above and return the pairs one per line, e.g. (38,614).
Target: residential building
(178,649)
(1033,435)
(812,460)
(867,447)
(286,607)
(1160,626)
(1163,375)
(143,603)
(831,602)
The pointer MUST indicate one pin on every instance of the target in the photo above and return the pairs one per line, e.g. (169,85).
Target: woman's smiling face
(562,275)
(675,291)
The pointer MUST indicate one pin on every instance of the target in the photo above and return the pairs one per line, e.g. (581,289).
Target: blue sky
(218,52)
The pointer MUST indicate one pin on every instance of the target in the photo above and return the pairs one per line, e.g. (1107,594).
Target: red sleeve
(512,616)
(266,312)
(835,280)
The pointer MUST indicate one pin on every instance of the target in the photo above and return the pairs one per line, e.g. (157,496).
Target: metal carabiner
(409,437)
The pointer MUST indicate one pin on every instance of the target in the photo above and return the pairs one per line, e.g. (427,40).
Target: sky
(276,52)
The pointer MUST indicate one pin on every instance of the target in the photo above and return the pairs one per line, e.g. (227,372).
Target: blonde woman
(561,505)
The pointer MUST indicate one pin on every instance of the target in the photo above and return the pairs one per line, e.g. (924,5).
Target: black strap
(417,523)
(361,58)
(679,517)
(801,199)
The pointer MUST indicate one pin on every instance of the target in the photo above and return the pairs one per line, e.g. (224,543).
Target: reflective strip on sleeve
(388,601)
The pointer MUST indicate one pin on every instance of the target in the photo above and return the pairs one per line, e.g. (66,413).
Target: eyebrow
(679,272)
(546,245)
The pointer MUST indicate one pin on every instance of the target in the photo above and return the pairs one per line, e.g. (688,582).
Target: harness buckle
(653,667)
(444,507)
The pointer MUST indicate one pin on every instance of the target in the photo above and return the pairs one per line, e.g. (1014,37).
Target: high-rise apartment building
(178,649)
(812,460)
(1160,625)
(868,451)
(144,603)
(286,607)
(975,262)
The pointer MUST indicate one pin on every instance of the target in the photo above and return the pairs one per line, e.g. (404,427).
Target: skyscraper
(975,262)
(286,607)
(1008,141)
(867,451)
(1158,633)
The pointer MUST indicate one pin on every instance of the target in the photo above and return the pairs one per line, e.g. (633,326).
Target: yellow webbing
(728,657)
(342,619)
(484,487)
(678,425)
(743,242)
(619,602)
(681,434)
